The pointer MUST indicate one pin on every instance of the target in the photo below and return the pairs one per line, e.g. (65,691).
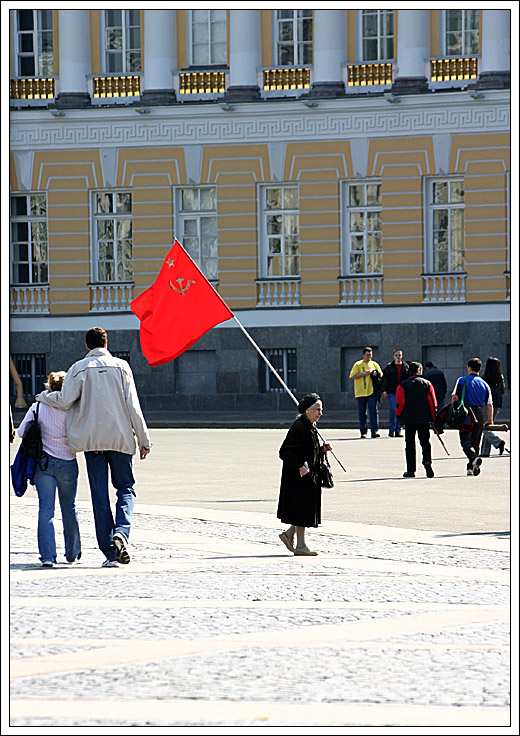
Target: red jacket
(415,401)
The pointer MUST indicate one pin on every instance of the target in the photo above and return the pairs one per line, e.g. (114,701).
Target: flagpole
(277,375)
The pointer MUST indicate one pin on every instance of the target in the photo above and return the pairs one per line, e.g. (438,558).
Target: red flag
(177,309)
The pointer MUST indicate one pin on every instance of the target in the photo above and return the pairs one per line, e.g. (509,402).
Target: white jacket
(103,410)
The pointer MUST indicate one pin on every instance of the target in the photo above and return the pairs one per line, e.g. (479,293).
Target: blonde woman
(60,473)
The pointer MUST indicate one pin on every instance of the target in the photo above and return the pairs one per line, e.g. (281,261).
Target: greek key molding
(285,121)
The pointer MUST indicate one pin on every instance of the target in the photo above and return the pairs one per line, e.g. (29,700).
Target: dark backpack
(32,441)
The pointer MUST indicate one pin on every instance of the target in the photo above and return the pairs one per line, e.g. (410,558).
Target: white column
(495,41)
(413,50)
(74,57)
(330,52)
(245,54)
(160,56)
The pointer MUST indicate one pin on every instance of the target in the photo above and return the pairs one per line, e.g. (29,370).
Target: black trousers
(470,441)
(423,433)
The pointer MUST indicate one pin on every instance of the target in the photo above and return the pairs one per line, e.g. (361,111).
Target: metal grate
(361,75)
(447,70)
(283,361)
(32,88)
(293,78)
(31,369)
(202,82)
(127,86)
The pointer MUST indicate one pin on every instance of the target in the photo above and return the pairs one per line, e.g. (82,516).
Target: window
(208,37)
(283,361)
(31,369)
(363,229)
(445,203)
(293,37)
(197,221)
(113,236)
(122,34)
(281,228)
(29,252)
(377,31)
(33,43)
(461,32)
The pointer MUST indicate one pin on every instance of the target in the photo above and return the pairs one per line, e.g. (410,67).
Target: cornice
(201,124)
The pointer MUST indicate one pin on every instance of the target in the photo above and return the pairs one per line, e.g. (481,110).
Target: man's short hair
(475,364)
(415,368)
(96,337)
(428,364)
(366,350)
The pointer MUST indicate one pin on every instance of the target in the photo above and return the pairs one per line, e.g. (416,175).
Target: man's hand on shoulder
(143,452)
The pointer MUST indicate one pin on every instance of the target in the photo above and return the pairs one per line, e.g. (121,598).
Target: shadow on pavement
(477,534)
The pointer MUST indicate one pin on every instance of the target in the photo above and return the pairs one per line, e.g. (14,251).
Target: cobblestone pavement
(215,624)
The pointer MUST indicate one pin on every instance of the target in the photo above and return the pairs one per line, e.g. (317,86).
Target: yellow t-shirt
(364,386)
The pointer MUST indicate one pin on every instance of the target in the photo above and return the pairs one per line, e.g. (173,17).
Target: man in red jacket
(416,406)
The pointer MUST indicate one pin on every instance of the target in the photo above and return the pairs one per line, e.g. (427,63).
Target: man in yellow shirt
(362,373)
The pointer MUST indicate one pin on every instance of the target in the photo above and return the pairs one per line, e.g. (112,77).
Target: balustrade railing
(202,82)
(448,70)
(29,300)
(361,75)
(278,292)
(361,289)
(287,78)
(31,88)
(444,287)
(122,86)
(110,297)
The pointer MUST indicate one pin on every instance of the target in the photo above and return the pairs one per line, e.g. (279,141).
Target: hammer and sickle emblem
(181,288)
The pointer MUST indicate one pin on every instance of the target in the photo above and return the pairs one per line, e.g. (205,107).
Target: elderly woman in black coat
(300,489)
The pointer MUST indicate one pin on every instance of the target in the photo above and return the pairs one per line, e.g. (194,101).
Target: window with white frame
(363,235)
(293,37)
(280,231)
(122,41)
(197,225)
(29,241)
(445,211)
(283,361)
(112,261)
(461,32)
(208,37)
(33,43)
(377,34)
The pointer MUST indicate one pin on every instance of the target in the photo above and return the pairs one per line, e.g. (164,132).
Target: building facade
(340,176)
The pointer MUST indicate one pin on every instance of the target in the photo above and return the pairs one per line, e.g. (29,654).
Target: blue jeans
(364,402)
(63,475)
(393,421)
(120,464)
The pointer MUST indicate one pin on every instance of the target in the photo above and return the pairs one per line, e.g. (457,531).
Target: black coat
(390,380)
(300,497)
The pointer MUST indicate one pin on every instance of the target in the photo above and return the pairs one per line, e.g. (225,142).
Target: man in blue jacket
(478,400)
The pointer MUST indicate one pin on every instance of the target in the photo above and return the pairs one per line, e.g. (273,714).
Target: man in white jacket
(104,420)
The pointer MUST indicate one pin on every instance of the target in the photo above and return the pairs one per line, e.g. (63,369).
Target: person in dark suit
(299,502)
(416,406)
(437,377)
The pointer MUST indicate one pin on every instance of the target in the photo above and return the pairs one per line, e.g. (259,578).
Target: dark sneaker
(47,563)
(475,465)
(408,475)
(429,471)
(391,434)
(469,471)
(122,553)
(398,434)
(375,435)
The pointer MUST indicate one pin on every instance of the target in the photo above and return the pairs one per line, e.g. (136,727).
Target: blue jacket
(22,470)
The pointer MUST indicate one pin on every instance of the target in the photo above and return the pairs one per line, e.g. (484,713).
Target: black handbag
(325,473)
(32,441)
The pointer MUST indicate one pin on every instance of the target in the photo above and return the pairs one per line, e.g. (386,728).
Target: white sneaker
(47,563)
(122,553)
(110,563)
